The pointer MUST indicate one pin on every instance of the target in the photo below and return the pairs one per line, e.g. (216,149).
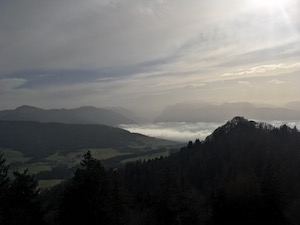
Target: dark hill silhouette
(82,115)
(42,139)
(241,161)
(243,173)
(206,112)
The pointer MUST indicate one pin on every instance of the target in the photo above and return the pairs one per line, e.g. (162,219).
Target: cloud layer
(181,132)
(184,132)
(147,54)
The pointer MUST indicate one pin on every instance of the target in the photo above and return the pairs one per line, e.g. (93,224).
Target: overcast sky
(146,54)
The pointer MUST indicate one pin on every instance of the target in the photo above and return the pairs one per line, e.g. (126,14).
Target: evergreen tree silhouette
(23,206)
(4,184)
(86,199)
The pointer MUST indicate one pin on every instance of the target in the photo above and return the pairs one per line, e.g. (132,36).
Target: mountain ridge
(81,115)
(206,112)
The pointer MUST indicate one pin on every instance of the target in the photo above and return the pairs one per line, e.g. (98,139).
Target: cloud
(90,34)
(73,34)
(195,85)
(275,81)
(137,52)
(9,84)
(245,83)
(262,70)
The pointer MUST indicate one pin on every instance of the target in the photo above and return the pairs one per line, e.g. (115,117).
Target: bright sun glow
(270,4)
(274,9)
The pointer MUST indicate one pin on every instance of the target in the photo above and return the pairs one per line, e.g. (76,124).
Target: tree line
(244,173)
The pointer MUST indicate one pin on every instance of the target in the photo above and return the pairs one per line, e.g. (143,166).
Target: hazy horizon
(140,116)
(184,132)
(147,55)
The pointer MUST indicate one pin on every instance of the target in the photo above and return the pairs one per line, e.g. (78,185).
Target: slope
(37,139)
(244,173)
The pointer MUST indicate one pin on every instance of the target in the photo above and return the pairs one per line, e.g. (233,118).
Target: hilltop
(245,172)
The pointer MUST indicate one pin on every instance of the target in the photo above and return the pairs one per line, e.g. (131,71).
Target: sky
(147,54)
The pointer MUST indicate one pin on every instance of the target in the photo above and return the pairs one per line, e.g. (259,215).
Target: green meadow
(142,149)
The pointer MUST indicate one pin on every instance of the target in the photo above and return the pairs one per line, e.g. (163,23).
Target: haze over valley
(182,122)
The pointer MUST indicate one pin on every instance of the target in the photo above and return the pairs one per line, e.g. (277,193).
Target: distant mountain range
(206,112)
(293,105)
(82,115)
(182,112)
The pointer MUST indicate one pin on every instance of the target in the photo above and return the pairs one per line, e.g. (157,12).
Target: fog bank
(183,131)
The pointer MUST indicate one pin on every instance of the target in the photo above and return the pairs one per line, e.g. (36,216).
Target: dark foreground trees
(248,200)
(4,184)
(244,173)
(85,198)
(92,196)
(19,202)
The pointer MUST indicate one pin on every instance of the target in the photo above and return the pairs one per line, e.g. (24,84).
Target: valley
(53,151)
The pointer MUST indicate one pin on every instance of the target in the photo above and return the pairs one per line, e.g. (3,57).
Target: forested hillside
(244,173)
(38,140)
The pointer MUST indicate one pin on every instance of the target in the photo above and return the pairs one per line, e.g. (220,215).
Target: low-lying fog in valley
(176,131)
(184,132)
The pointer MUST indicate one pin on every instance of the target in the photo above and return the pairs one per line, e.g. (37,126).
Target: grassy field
(105,153)
(74,158)
(49,183)
(142,149)
(13,156)
(146,157)
(34,168)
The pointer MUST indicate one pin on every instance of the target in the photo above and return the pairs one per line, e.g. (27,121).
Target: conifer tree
(4,182)
(23,206)
(86,197)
